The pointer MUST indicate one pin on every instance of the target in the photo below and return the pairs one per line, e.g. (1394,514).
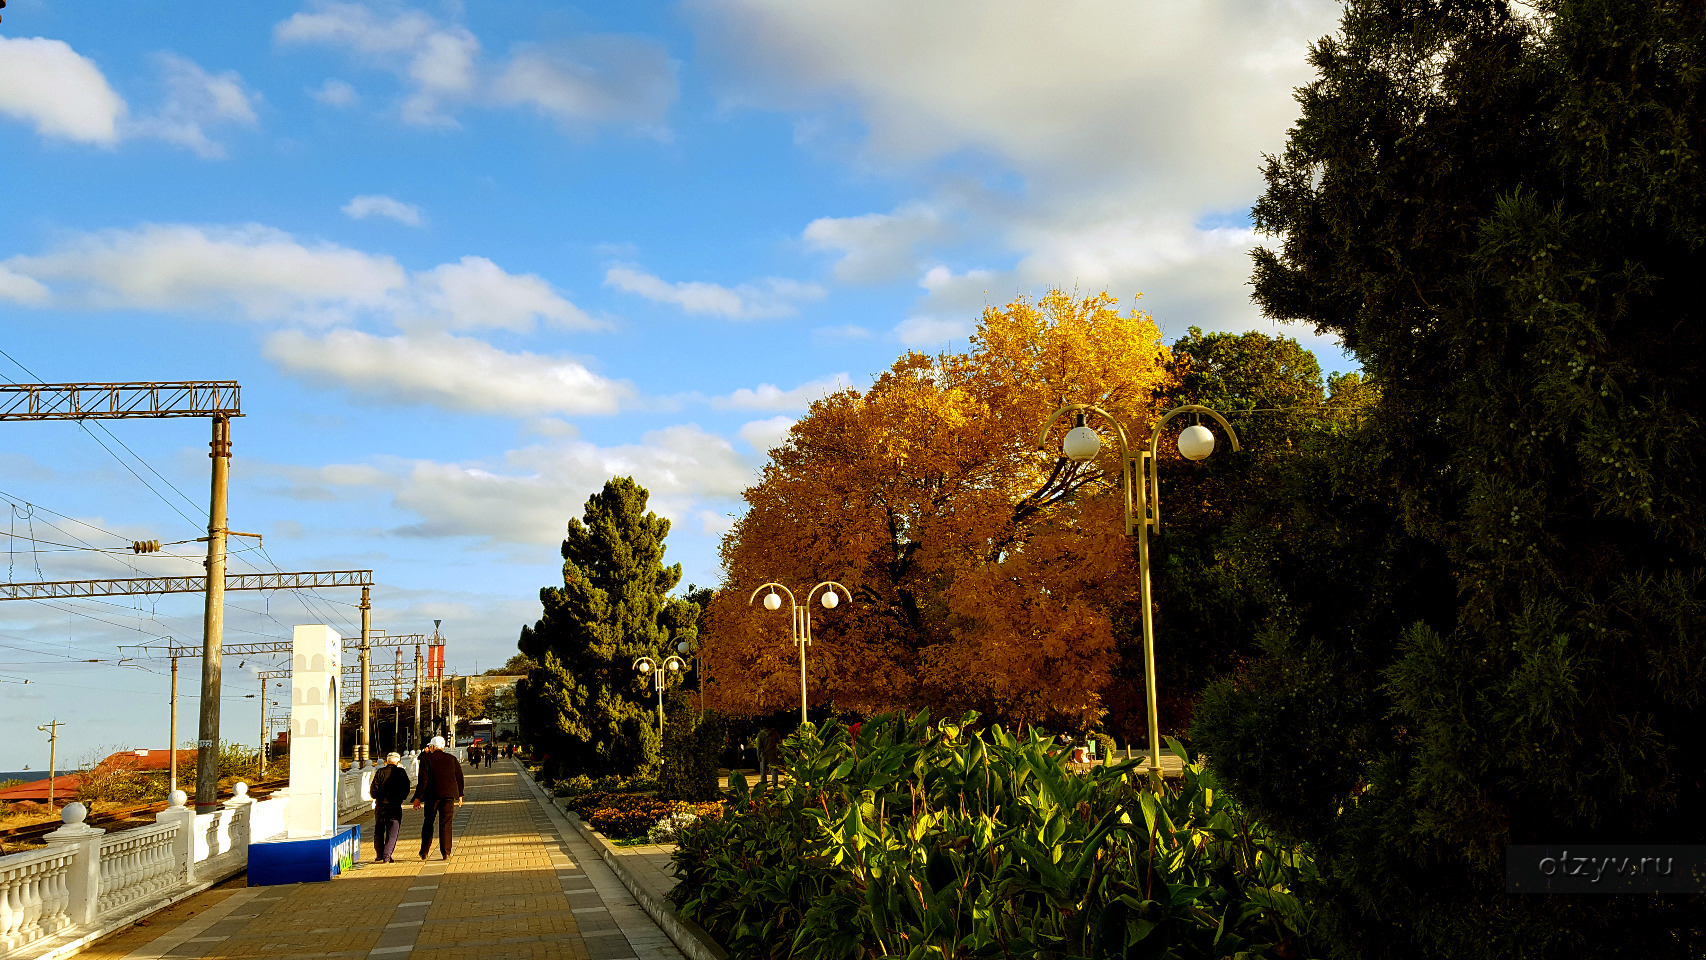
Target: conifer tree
(1495,630)
(583,704)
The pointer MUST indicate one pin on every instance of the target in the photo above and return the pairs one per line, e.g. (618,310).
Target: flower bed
(623,815)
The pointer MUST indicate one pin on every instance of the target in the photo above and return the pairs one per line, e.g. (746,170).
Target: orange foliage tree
(985,574)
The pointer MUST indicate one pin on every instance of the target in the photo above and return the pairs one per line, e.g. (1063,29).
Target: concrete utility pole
(172,742)
(362,748)
(213,624)
(417,743)
(262,760)
(397,703)
(52,731)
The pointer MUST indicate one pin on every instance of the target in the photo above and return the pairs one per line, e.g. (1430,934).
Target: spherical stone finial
(73,813)
(176,798)
(241,790)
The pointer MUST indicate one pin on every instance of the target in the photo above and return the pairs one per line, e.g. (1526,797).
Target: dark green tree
(1221,515)
(582,705)
(1499,211)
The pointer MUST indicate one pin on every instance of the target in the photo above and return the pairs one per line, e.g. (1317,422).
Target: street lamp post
(1081,445)
(687,649)
(659,673)
(802,618)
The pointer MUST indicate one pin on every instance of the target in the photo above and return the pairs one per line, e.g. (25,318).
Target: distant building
(504,723)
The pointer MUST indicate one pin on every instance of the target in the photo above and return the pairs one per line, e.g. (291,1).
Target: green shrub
(692,746)
(928,840)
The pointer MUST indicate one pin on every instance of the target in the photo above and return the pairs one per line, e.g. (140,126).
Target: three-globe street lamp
(1081,445)
(659,672)
(802,618)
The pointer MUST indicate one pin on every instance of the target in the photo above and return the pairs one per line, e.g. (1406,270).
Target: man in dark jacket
(388,788)
(440,790)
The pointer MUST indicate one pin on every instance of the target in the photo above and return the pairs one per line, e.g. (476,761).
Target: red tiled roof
(64,788)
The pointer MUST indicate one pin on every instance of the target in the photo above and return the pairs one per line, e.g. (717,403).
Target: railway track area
(31,836)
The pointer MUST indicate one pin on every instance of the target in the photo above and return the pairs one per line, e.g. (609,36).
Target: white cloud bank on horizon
(65,96)
(580,82)
(264,274)
(524,498)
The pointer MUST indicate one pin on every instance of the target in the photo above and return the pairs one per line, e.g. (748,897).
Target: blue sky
(469,262)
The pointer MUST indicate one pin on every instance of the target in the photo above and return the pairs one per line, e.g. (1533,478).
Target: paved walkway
(514,889)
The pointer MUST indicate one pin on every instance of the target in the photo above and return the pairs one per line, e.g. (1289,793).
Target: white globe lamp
(645,667)
(772,601)
(1082,443)
(830,599)
(1196,442)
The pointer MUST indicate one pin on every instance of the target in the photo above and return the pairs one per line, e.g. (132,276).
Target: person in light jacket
(388,789)
(440,791)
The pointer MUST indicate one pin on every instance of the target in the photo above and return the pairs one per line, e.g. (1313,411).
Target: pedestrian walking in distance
(388,789)
(440,791)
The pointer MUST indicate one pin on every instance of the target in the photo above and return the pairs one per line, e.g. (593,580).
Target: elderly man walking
(440,791)
(388,788)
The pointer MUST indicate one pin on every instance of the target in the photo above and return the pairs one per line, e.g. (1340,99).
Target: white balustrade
(34,896)
(136,864)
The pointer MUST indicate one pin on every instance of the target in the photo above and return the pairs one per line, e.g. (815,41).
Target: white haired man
(440,786)
(388,788)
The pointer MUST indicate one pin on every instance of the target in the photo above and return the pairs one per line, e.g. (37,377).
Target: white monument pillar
(312,807)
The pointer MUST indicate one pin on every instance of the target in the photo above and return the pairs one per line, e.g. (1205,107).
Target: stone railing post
(83,881)
(183,844)
(241,817)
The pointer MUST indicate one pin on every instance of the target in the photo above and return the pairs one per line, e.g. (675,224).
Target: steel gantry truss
(119,401)
(51,589)
(221,402)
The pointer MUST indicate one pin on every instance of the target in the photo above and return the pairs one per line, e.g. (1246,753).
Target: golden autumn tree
(983,572)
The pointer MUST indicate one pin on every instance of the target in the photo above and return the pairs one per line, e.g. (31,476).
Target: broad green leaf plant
(924,839)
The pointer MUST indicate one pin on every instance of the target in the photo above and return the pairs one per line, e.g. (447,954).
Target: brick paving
(514,889)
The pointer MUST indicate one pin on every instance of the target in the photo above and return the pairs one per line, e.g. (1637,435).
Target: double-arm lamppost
(1142,507)
(659,672)
(802,618)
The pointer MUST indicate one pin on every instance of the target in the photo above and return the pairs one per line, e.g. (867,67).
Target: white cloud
(714,523)
(196,100)
(526,497)
(583,81)
(379,205)
(21,289)
(475,292)
(767,396)
(436,59)
(928,331)
(851,331)
(766,435)
(261,273)
(770,297)
(335,93)
(46,83)
(1180,95)
(875,247)
(1124,124)
(593,80)
(67,96)
(453,373)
